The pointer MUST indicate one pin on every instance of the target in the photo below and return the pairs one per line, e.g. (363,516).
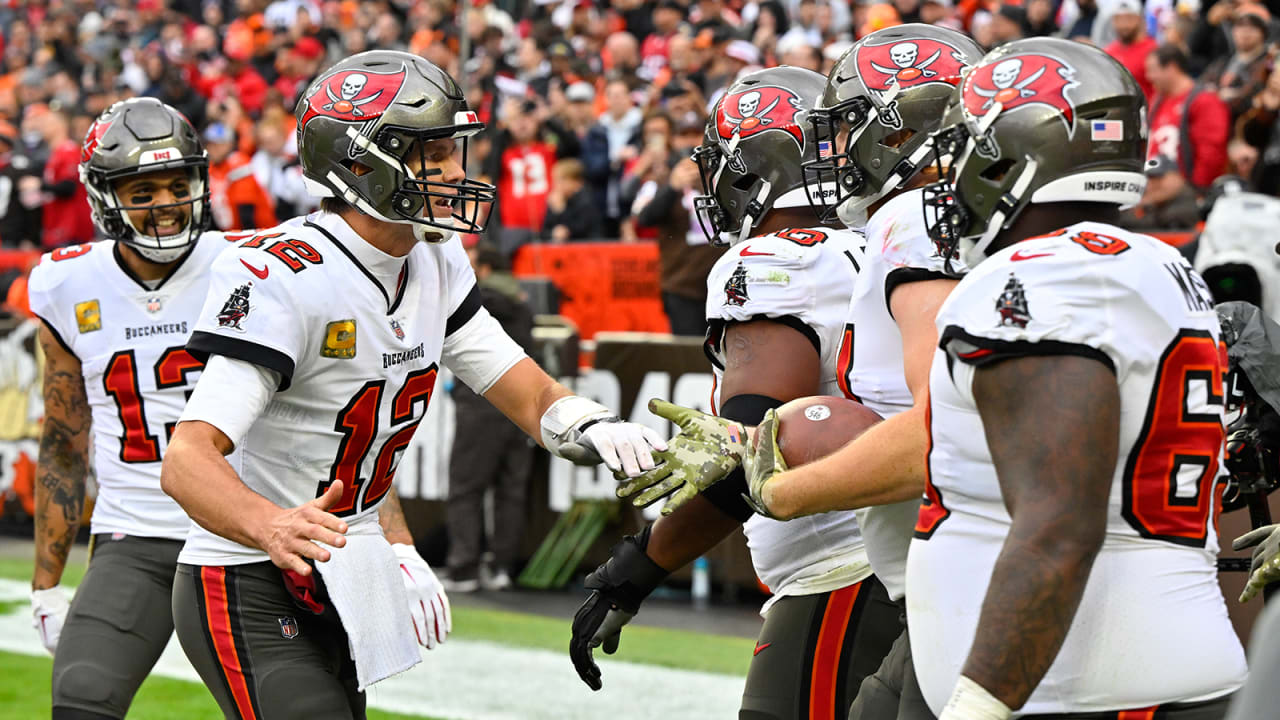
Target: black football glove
(618,587)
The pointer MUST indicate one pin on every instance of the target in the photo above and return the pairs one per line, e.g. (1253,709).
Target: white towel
(363,581)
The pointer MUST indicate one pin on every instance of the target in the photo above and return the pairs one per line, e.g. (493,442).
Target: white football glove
(428,605)
(585,432)
(49,609)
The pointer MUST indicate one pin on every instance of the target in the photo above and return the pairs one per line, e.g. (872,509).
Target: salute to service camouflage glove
(618,587)
(763,462)
(1266,559)
(707,449)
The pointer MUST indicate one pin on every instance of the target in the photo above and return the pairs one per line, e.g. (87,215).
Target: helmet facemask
(414,202)
(749,190)
(111,212)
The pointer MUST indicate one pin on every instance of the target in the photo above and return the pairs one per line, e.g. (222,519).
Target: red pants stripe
(222,639)
(826,655)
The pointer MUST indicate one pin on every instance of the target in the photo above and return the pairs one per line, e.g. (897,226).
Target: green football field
(24,678)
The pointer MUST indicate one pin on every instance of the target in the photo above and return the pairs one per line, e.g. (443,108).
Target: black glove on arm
(618,587)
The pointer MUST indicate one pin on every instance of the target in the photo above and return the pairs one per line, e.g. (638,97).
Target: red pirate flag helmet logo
(909,63)
(353,95)
(92,138)
(757,109)
(1022,81)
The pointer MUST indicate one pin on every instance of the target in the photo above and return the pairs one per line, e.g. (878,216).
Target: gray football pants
(263,656)
(118,625)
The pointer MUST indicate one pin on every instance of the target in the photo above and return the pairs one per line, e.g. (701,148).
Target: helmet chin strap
(749,218)
(972,253)
(159,256)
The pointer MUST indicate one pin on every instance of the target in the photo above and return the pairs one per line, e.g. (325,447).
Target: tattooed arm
(391,517)
(1055,485)
(63,464)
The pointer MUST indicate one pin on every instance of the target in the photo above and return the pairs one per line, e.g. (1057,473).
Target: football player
(882,100)
(115,316)
(777,308)
(1064,555)
(328,332)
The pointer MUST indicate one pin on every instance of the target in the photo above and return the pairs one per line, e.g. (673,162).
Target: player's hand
(618,587)
(291,534)
(763,463)
(707,449)
(597,624)
(428,605)
(624,447)
(49,609)
(1265,568)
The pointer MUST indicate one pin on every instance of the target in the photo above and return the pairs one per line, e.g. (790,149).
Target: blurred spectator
(665,202)
(1132,44)
(19,225)
(237,200)
(1081,29)
(1189,123)
(1040,18)
(608,146)
(1169,202)
(1241,74)
(667,16)
(1260,133)
(277,171)
(521,159)
(1242,158)
(489,452)
(1009,23)
(66,218)
(572,213)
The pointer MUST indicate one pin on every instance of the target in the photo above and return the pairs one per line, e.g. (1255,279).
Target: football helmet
(135,137)
(1040,120)
(883,99)
(752,149)
(358,121)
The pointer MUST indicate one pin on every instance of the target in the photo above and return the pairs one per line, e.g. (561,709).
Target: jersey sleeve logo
(735,289)
(350,96)
(908,64)
(236,308)
(758,110)
(1012,304)
(88,316)
(1022,81)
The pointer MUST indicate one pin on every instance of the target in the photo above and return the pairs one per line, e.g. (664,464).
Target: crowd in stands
(592,105)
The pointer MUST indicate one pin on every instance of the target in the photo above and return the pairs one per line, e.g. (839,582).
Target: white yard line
(470,679)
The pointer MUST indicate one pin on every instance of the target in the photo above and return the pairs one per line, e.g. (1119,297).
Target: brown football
(811,428)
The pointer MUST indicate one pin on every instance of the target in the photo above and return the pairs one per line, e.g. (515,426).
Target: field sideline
(498,665)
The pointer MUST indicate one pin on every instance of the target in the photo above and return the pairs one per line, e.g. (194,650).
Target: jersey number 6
(358,423)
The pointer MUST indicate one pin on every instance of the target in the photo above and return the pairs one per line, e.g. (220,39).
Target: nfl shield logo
(288,628)
(153,305)
(399,331)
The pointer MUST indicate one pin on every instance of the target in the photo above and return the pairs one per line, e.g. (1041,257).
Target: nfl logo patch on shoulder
(288,628)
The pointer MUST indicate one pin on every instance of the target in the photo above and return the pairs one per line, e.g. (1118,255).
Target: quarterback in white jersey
(116,315)
(327,332)
(777,310)
(1064,559)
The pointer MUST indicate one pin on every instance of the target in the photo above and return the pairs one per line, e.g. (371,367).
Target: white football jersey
(898,251)
(1152,625)
(131,343)
(357,337)
(805,279)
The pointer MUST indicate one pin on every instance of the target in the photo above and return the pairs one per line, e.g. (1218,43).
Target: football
(811,428)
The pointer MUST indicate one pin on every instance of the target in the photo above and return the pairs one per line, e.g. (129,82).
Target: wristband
(971,701)
(560,422)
